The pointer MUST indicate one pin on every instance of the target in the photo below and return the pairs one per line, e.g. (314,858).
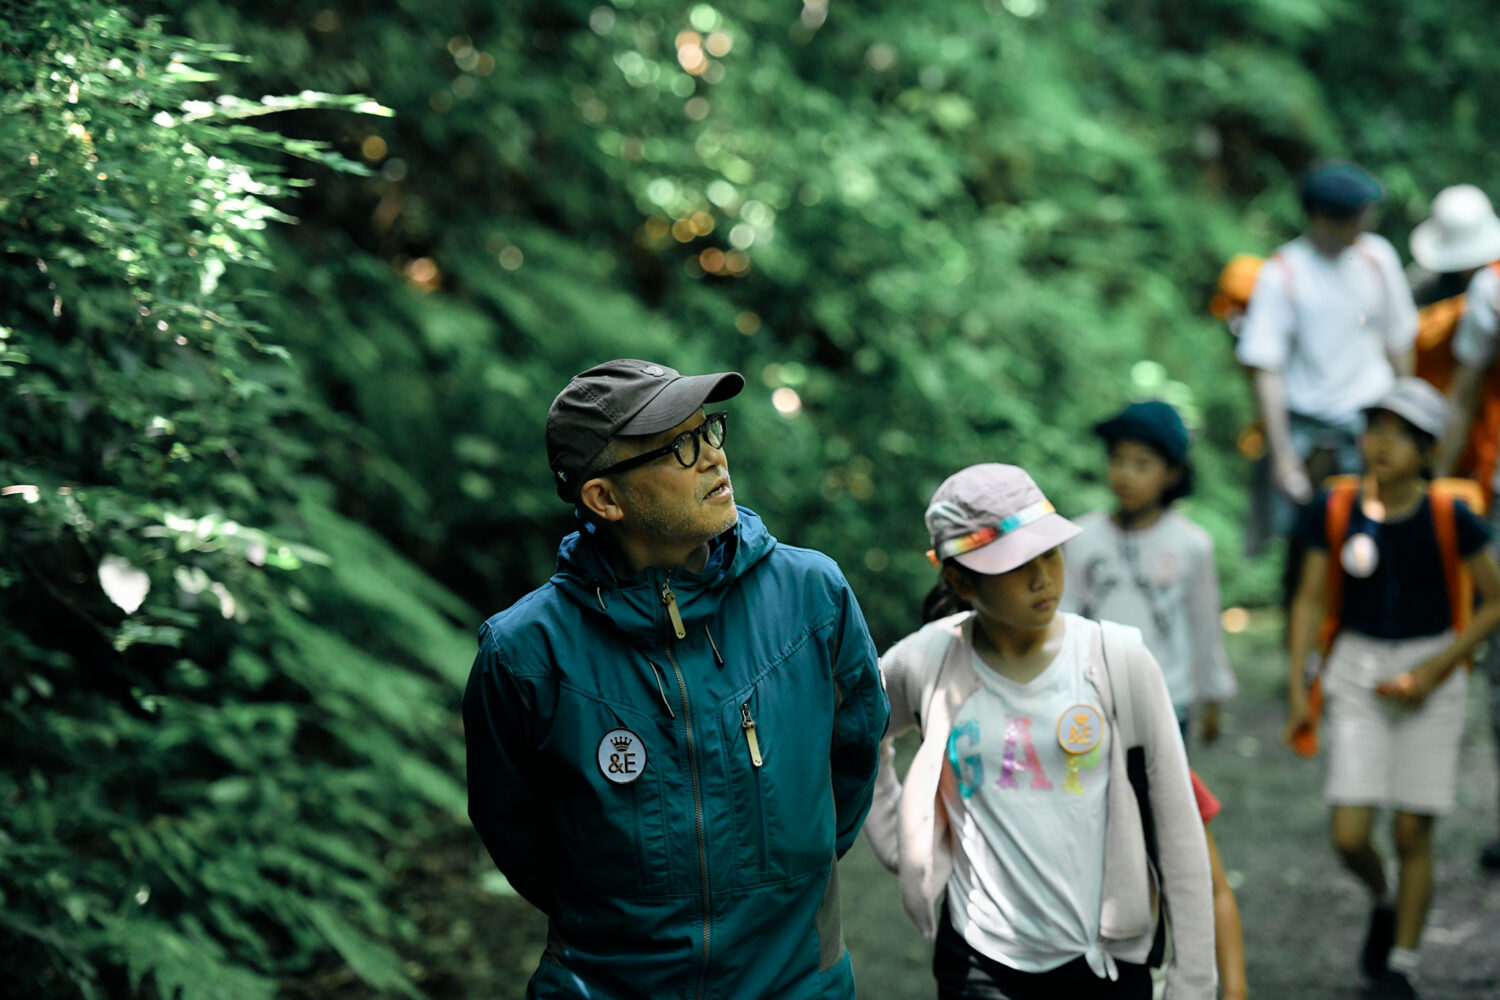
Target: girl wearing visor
(1382,555)
(1063,840)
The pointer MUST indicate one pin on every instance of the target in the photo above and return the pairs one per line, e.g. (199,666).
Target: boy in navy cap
(1329,326)
(1147,565)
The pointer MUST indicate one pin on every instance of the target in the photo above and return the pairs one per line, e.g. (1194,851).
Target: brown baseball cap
(622,397)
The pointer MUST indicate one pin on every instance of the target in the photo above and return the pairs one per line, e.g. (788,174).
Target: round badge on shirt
(1080,728)
(1360,556)
(622,756)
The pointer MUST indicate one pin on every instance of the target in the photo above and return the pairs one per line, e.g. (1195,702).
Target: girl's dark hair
(942,600)
(1181,488)
(1184,484)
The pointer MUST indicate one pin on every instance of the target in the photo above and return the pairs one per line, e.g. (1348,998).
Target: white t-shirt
(1478,334)
(1027,818)
(1162,580)
(1475,340)
(1329,325)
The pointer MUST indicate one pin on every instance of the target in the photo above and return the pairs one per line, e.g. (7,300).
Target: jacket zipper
(747,723)
(669,600)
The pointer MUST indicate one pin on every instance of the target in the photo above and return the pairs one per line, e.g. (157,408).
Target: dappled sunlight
(292,288)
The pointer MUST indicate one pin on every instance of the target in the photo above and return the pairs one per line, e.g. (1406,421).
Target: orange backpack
(1435,363)
(1342,494)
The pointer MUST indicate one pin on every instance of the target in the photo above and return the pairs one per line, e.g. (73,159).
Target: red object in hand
(1305,739)
(1398,686)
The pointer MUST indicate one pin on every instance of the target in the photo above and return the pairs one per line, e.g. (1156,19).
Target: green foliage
(971,220)
(222,700)
(928,234)
(954,233)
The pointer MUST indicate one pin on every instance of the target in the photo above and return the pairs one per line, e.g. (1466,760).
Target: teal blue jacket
(676,803)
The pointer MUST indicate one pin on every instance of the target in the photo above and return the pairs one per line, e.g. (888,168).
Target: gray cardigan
(928,675)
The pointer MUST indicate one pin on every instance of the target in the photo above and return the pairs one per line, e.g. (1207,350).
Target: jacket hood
(588,575)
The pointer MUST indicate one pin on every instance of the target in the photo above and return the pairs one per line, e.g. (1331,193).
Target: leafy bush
(929,235)
(223,702)
(966,230)
(937,236)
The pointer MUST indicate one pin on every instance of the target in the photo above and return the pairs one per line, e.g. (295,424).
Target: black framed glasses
(685,447)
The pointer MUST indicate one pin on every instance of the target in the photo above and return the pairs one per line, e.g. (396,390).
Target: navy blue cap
(1155,424)
(1339,190)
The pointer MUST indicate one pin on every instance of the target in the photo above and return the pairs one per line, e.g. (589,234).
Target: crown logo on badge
(622,743)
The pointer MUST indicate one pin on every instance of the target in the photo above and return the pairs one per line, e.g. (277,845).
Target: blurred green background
(273,371)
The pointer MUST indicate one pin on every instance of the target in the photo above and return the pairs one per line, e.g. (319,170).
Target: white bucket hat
(992,518)
(1463,232)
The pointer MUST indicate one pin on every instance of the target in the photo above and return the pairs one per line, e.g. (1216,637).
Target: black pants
(964,974)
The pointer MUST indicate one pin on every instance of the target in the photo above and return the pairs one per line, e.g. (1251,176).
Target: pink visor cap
(992,518)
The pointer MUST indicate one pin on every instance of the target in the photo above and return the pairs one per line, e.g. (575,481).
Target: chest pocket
(776,735)
(608,796)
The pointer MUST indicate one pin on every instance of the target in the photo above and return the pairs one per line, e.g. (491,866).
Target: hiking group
(674,739)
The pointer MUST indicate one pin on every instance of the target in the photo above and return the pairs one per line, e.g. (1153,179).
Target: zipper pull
(748,725)
(670,600)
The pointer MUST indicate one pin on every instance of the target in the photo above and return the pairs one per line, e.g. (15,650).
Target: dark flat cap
(622,397)
(1339,190)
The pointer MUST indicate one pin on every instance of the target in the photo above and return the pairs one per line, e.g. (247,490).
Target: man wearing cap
(1462,239)
(673,740)
(1330,324)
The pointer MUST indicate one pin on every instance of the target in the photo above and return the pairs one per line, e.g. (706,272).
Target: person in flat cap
(1461,240)
(1329,326)
(674,739)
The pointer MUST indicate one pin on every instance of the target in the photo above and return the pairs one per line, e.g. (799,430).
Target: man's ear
(601,497)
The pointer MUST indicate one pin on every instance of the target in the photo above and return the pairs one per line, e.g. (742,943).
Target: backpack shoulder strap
(1455,575)
(1362,248)
(1436,321)
(1342,492)
(1124,683)
(1286,272)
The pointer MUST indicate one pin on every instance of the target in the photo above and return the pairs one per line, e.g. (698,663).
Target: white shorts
(1381,753)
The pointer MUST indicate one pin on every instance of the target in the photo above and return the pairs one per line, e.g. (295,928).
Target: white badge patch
(1080,729)
(1360,556)
(622,756)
